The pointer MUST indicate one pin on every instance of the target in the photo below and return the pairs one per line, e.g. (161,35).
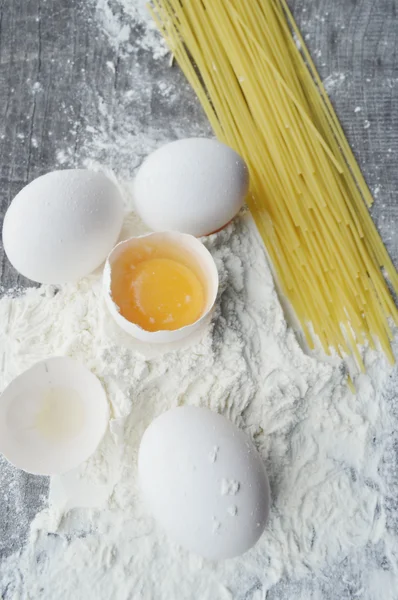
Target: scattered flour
(326,451)
(37,87)
(331,456)
(213,454)
(216,525)
(333,81)
(229,487)
(128,24)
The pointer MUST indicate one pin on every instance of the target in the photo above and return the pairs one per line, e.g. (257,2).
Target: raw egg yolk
(157,293)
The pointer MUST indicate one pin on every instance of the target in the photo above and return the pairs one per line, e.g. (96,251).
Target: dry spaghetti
(263,96)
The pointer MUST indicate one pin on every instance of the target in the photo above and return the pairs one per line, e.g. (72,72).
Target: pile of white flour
(331,456)
(323,447)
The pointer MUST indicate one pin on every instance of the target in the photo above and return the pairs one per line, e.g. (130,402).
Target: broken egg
(160,287)
(52,417)
(204,482)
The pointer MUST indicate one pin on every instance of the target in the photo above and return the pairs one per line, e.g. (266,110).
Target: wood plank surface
(56,61)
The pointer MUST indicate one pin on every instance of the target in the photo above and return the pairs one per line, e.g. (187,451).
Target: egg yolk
(157,293)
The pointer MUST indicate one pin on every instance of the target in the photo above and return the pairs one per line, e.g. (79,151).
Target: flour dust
(327,452)
(330,455)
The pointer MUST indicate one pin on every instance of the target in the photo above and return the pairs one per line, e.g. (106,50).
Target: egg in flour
(61,226)
(194,185)
(204,482)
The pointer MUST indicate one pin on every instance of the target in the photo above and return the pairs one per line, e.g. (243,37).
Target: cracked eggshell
(189,246)
(204,482)
(50,439)
(194,185)
(61,226)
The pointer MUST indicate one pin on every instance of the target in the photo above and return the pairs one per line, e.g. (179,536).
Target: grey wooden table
(56,61)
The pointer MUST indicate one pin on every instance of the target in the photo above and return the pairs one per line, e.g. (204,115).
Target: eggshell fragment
(194,185)
(204,482)
(61,226)
(189,246)
(52,417)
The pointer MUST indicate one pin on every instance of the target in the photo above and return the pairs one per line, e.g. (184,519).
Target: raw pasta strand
(263,96)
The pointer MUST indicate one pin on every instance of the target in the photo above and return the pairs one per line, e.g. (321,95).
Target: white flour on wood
(326,450)
(128,25)
(331,456)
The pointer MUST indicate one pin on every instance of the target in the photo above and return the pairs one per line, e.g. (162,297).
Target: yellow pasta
(264,97)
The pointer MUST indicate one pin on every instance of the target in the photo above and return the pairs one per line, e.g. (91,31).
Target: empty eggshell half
(52,417)
(191,251)
(193,185)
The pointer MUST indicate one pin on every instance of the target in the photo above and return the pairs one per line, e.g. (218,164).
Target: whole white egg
(194,185)
(62,225)
(204,482)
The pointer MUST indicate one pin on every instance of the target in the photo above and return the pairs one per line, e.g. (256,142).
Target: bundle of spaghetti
(257,83)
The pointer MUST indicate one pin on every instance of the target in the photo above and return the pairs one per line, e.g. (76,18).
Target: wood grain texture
(53,67)
(359,40)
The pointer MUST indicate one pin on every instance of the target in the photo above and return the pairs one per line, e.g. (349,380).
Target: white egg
(195,186)
(62,225)
(52,417)
(204,482)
